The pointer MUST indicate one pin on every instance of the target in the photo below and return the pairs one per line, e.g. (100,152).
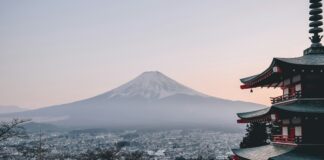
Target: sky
(54,52)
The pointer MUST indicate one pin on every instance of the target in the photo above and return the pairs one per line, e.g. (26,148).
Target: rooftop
(281,152)
(273,74)
(301,106)
(263,152)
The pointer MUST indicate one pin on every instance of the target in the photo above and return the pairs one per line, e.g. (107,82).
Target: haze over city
(55,52)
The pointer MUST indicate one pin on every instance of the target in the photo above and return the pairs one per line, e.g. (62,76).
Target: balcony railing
(286,139)
(286,97)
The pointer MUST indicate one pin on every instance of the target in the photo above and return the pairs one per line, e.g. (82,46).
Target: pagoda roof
(272,75)
(254,114)
(302,153)
(262,152)
(247,79)
(301,106)
(281,152)
(310,60)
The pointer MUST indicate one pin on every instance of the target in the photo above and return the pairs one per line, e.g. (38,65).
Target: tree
(137,155)
(12,129)
(119,145)
(256,135)
(9,130)
(180,158)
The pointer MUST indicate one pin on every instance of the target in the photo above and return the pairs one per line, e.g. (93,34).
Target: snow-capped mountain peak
(152,84)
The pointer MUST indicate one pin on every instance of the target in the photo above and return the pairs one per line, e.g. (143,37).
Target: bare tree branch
(12,129)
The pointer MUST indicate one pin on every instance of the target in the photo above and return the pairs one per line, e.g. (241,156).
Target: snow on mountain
(152,85)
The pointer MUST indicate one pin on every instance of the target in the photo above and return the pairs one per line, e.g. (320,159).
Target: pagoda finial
(316,23)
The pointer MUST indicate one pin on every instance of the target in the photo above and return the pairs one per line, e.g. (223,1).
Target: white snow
(152,84)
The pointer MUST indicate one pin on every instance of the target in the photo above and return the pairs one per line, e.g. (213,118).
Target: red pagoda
(298,114)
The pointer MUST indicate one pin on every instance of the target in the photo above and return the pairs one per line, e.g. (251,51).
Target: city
(149,144)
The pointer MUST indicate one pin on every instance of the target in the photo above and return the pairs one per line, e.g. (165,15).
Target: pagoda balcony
(286,139)
(286,97)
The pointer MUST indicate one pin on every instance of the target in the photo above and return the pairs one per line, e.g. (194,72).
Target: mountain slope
(150,100)
(10,109)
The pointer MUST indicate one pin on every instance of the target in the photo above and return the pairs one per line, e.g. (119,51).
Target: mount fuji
(151,100)
(152,85)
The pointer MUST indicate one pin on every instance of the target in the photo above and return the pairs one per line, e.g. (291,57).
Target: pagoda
(298,113)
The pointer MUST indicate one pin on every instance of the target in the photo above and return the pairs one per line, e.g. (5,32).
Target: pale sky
(54,52)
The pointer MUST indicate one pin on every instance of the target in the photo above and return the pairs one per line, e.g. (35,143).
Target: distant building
(299,112)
